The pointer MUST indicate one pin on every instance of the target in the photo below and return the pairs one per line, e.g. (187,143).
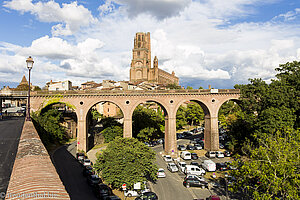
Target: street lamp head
(29,62)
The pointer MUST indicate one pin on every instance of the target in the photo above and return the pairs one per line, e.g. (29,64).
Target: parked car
(134,193)
(147,196)
(209,165)
(213,197)
(198,146)
(194,156)
(161,173)
(93,179)
(181,147)
(195,182)
(221,146)
(87,170)
(168,158)
(192,169)
(181,166)
(185,155)
(219,154)
(190,147)
(86,162)
(210,154)
(221,166)
(102,191)
(227,153)
(80,157)
(172,167)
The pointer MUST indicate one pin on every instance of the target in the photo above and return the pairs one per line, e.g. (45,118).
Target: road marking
(192,193)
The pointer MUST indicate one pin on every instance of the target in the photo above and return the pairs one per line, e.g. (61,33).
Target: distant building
(141,70)
(90,85)
(59,86)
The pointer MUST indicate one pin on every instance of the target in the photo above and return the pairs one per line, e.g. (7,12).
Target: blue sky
(216,42)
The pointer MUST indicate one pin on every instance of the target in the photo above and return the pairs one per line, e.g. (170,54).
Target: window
(138,53)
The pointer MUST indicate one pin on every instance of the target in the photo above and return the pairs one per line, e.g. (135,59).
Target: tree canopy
(126,160)
(148,124)
(266,132)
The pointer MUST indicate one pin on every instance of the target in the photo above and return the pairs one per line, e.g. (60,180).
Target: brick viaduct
(127,101)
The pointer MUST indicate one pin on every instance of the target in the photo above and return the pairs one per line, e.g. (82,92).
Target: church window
(142,37)
(139,38)
(138,53)
(139,45)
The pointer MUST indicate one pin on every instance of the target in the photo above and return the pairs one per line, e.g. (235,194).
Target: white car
(172,167)
(134,193)
(219,154)
(181,166)
(161,173)
(86,162)
(168,158)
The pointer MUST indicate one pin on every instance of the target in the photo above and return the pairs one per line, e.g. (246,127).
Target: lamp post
(29,62)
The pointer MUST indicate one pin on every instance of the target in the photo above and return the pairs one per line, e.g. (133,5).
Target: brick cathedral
(141,69)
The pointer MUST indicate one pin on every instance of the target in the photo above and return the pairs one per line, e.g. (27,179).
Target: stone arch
(227,98)
(167,138)
(52,102)
(88,107)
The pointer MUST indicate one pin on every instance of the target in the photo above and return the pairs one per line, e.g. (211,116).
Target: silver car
(172,167)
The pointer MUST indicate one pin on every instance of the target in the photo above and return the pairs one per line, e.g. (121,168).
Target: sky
(205,42)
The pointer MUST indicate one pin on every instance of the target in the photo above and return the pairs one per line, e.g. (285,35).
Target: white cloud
(71,17)
(187,40)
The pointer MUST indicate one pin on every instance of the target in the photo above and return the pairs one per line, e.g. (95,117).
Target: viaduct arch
(127,101)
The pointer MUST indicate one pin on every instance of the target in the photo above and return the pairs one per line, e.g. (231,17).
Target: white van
(194,170)
(185,155)
(209,165)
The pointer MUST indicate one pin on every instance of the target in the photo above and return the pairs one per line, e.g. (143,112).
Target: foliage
(227,113)
(180,118)
(146,118)
(48,126)
(96,115)
(194,114)
(109,122)
(273,170)
(266,131)
(110,133)
(126,160)
(189,87)
(173,86)
(37,88)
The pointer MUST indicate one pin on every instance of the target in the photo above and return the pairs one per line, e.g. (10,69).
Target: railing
(122,92)
(13,93)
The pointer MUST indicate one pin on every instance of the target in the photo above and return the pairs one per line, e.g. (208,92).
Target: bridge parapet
(33,175)
(135,92)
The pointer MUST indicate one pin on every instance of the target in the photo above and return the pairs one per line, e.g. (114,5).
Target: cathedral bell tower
(141,58)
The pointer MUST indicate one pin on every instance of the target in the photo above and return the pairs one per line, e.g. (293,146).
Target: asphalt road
(172,187)
(10,132)
(70,172)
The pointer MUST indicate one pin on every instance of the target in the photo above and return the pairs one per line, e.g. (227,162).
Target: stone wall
(33,175)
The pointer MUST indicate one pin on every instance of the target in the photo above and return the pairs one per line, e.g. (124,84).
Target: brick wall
(33,175)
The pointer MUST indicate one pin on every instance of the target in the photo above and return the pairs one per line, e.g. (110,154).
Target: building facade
(59,86)
(141,69)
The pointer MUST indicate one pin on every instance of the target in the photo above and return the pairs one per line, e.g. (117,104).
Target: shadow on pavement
(70,172)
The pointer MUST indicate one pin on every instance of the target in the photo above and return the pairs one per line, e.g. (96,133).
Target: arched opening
(104,122)
(191,118)
(148,123)
(227,116)
(56,123)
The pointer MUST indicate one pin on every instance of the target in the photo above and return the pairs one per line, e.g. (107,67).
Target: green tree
(48,125)
(272,170)
(126,160)
(194,114)
(110,133)
(173,86)
(189,87)
(180,118)
(109,122)
(144,118)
